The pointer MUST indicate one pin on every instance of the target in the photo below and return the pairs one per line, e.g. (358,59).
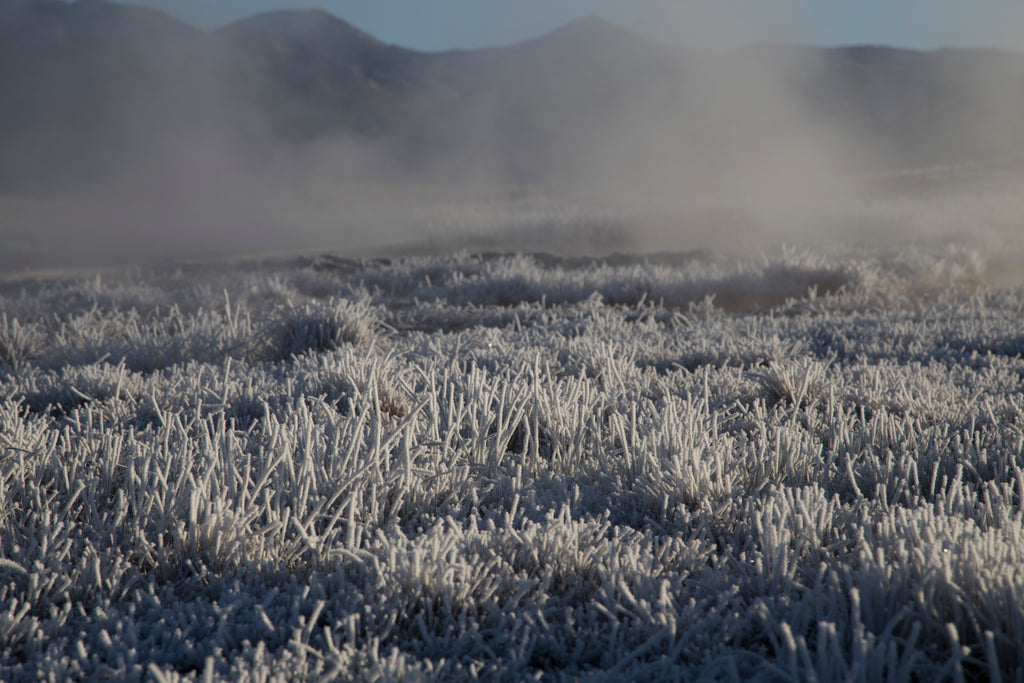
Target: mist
(153,141)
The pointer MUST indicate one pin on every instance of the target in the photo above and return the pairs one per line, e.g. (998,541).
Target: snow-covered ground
(807,465)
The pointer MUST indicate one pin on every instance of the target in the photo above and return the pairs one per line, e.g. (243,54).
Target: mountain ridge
(99,87)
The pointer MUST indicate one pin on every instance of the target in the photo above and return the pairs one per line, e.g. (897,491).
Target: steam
(662,148)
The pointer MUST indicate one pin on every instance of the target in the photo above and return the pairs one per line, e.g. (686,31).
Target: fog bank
(154,141)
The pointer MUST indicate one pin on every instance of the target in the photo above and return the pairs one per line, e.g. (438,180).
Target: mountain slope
(317,74)
(79,82)
(95,90)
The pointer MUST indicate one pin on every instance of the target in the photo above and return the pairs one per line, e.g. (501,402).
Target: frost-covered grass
(808,466)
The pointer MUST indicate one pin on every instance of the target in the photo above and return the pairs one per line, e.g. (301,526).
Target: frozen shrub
(62,392)
(18,342)
(797,383)
(392,401)
(350,394)
(246,409)
(320,327)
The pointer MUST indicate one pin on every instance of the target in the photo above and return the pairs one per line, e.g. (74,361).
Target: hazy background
(133,137)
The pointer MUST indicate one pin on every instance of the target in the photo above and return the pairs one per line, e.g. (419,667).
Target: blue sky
(442,24)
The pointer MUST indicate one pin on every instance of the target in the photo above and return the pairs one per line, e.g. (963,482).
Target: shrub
(798,384)
(320,327)
(18,342)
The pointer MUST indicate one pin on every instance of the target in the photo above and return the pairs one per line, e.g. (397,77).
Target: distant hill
(84,84)
(97,91)
(316,73)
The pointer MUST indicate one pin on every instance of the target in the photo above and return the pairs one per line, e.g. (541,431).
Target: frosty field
(802,466)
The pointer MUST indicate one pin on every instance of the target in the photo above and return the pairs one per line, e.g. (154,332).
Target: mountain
(57,29)
(540,107)
(924,107)
(78,82)
(318,74)
(95,92)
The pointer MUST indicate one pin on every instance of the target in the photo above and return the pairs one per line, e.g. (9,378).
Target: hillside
(100,91)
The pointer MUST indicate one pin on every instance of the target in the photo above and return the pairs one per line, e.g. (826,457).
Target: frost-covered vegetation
(808,466)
